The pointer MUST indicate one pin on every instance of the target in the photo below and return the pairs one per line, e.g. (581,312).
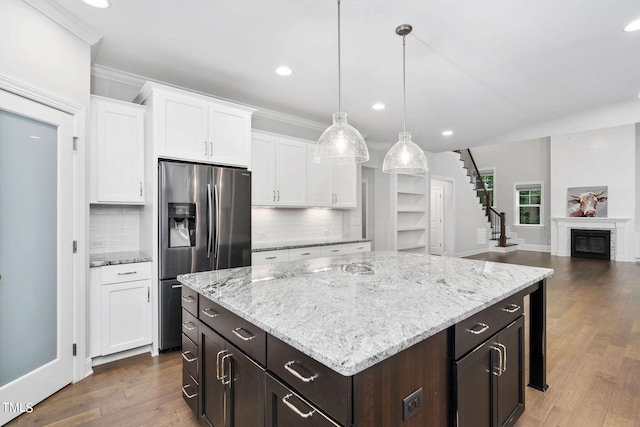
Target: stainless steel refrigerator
(204,224)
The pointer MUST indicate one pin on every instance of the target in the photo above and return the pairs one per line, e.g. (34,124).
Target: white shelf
(409,194)
(416,228)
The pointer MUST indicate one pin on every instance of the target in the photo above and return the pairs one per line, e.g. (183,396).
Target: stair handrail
(503,234)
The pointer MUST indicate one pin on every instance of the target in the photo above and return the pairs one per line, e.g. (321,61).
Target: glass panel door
(28,214)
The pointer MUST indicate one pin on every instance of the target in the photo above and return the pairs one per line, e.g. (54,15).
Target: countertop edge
(292,245)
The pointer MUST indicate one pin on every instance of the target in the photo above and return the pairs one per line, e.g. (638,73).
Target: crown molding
(63,17)
(26,91)
(137,80)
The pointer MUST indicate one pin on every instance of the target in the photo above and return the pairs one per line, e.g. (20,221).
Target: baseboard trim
(101,360)
(473,252)
(535,248)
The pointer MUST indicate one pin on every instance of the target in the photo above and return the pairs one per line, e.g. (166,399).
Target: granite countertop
(274,246)
(113,258)
(353,311)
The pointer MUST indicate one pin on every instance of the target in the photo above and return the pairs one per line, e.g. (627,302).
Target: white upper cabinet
(330,185)
(116,152)
(279,171)
(194,127)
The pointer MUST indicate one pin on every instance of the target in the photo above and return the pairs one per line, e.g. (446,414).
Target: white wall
(39,53)
(519,162)
(597,158)
(469,214)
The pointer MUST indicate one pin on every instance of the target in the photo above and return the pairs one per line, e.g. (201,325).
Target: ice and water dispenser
(182,225)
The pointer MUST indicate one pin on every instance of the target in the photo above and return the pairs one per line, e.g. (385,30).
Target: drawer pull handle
(187,327)
(360,247)
(187,395)
(297,374)
(126,273)
(285,400)
(237,333)
(511,308)
(335,250)
(502,353)
(483,328)
(269,257)
(176,286)
(207,312)
(220,353)
(306,253)
(188,359)
(188,299)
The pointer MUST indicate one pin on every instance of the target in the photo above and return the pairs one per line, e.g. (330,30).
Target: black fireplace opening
(591,243)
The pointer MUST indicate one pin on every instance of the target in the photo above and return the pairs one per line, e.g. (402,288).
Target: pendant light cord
(404,86)
(339,65)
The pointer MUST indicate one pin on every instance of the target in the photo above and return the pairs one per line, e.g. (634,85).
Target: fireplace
(591,243)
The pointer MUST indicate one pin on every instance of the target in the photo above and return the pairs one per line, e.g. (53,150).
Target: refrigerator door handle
(210,220)
(217,243)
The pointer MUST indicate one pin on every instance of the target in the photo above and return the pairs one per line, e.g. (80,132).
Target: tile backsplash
(114,228)
(283,225)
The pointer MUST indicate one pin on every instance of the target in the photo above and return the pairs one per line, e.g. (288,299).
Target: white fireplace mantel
(561,239)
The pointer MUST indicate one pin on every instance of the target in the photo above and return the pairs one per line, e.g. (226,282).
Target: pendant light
(405,156)
(341,143)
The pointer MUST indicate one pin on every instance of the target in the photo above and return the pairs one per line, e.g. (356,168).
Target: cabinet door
(228,135)
(269,257)
(285,409)
(211,348)
(126,315)
(344,185)
(246,391)
(291,173)
(182,127)
(118,132)
(511,381)
(263,160)
(319,181)
(474,381)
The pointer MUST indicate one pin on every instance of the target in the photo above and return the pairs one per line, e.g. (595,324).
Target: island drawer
(190,356)
(285,407)
(471,332)
(190,390)
(189,325)
(322,386)
(244,335)
(190,300)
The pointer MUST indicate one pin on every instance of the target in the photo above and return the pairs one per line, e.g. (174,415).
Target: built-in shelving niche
(410,205)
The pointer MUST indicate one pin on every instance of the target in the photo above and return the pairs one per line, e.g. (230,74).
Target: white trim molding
(561,239)
(60,15)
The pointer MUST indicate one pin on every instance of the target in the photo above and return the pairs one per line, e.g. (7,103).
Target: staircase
(499,237)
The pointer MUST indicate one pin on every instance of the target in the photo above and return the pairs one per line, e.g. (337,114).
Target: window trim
(516,203)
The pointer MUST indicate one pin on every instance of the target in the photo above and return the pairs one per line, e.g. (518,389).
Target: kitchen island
(377,338)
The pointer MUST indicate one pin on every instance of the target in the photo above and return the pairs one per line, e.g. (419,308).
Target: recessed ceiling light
(100,4)
(447,133)
(378,106)
(634,26)
(284,71)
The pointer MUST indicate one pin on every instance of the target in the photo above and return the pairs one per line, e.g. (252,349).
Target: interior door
(36,257)
(437,221)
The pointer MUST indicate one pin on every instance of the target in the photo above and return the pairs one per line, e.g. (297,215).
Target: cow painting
(585,203)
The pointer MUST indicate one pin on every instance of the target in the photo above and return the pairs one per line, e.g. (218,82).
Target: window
(528,204)
(488,177)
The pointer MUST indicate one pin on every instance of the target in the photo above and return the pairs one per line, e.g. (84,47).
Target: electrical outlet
(97,244)
(411,404)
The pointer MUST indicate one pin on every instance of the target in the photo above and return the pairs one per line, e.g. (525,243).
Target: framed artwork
(587,202)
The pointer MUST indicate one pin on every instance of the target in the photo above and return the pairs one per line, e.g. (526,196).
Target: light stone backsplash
(114,228)
(284,225)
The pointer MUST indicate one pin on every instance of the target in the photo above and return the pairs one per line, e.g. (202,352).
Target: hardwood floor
(593,348)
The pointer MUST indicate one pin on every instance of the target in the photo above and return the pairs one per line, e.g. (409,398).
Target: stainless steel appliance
(205,224)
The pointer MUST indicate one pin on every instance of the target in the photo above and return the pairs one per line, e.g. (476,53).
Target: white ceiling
(483,68)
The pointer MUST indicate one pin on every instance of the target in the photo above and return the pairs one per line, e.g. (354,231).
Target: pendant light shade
(341,143)
(405,156)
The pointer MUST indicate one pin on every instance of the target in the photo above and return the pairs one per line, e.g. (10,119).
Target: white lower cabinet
(120,308)
(295,254)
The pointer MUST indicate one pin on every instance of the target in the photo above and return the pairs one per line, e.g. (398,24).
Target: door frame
(81,362)
(449,212)
(441,225)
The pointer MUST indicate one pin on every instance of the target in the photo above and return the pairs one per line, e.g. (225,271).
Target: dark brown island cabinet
(471,374)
